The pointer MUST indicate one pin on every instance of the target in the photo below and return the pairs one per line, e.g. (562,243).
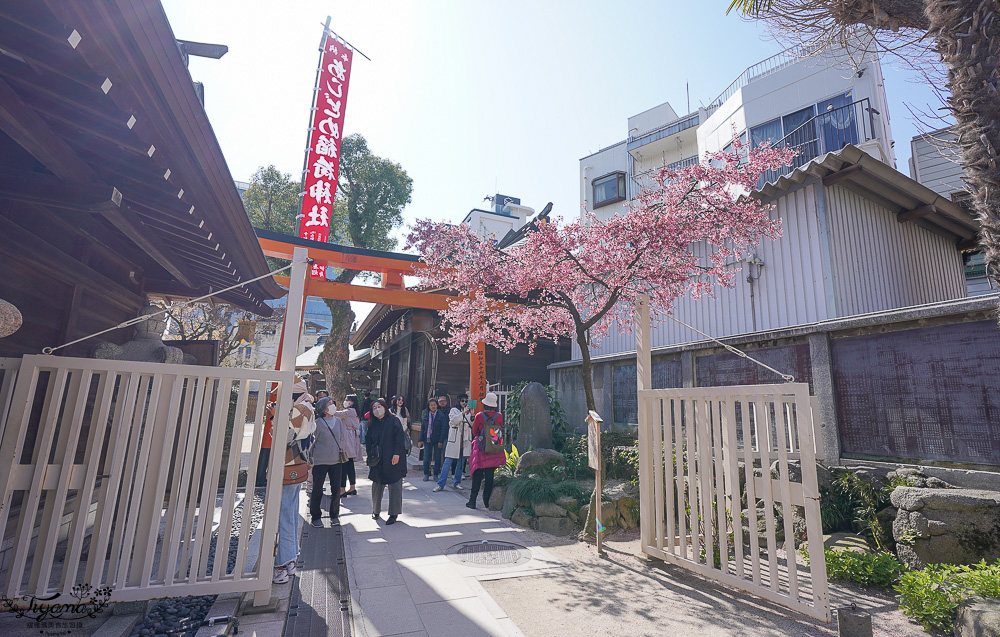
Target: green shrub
(931,596)
(537,489)
(880,569)
(852,504)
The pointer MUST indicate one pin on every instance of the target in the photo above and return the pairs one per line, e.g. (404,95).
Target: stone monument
(147,346)
(535,428)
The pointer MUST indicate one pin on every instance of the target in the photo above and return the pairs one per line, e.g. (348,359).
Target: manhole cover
(489,553)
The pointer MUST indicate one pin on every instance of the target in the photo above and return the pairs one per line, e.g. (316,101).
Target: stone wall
(946,526)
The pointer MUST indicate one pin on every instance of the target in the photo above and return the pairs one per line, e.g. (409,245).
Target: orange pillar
(477,375)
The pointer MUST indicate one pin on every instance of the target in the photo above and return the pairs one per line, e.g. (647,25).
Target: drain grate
(489,553)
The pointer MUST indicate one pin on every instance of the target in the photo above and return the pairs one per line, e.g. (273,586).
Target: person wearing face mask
(387,460)
(328,456)
(350,415)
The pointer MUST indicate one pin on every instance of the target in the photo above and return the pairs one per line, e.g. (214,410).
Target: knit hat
(490,400)
(321,406)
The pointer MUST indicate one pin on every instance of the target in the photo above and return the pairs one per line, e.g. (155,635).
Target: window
(769,131)
(609,189)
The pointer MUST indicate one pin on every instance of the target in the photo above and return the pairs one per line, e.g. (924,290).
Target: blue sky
(473,97)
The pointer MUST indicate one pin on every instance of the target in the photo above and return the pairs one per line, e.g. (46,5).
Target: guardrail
(827,132)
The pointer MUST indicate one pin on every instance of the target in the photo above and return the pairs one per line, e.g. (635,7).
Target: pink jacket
(479,459)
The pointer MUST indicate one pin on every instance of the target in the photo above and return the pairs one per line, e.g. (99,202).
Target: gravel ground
(622,595)
(181,616)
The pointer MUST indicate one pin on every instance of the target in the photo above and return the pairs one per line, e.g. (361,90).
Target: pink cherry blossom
(581,278)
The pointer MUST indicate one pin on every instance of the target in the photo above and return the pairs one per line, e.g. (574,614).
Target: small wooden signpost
(594,421)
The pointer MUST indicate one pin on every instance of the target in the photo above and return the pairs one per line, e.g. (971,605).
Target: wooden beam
(31,132)
(332,257)
(916,213)
(968,244)
(137,233)
(348,292)
(842,174)
(40,188)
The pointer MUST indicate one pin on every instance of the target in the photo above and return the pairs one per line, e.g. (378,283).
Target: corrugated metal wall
(936,164)
(880,264)
(790,290)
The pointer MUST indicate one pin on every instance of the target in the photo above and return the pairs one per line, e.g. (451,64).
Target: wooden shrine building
(113,187)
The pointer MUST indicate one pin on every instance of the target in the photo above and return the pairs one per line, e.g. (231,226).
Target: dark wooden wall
(66,281)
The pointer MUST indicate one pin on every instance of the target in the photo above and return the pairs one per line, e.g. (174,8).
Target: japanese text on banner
(323,162)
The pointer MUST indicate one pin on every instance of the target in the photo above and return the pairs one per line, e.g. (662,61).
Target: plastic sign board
(323,162)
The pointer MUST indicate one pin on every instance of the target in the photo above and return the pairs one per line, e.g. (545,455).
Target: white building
(818,104)
(505,215)
(858,236)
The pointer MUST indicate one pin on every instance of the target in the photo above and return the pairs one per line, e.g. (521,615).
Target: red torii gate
(392,266)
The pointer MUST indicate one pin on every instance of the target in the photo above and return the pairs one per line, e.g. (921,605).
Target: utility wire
(788,378)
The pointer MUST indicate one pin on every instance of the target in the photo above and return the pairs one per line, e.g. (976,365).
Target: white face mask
(348,403)
(330,409)
(378,411)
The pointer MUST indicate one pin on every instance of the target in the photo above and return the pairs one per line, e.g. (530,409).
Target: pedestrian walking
(398,409)
(433,434)
(350,415)
(488,423)
(387,459)
(459,442)
(301,425)
(328,457)
(366,406)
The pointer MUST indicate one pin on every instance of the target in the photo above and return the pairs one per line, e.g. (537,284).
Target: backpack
(491,439)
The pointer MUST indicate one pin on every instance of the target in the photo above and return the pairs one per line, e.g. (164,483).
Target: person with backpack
(459,442)
(329,454)
(301,426)
(488,451)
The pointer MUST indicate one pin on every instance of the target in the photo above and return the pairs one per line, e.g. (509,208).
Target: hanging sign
(323,161)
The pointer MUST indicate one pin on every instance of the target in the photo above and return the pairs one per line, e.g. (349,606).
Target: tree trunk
(966,34)
(334,357)
(587,374)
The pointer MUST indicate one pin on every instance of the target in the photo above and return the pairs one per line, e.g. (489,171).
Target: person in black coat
(385,441)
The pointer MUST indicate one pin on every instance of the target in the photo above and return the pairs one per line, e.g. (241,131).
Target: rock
(520,517)
(794,470)
(583,513)
(946,526)
(147,346)
(824,477)
(497,498)
(616,490)
(567,502)
(556,525)
(537,458)
(573,516)
(978,617)
(509,504)
(535,426)
(851,542)
(548,509)
(938,483)
(628,509)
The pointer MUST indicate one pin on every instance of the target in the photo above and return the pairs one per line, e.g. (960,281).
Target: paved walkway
(402,582)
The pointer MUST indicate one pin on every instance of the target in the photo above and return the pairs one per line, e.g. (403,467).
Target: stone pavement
(402,582)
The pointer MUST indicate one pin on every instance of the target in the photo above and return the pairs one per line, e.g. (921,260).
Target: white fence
(701,495)
(128,476)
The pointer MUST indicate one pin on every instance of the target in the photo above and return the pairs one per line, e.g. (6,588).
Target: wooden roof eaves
(141,88)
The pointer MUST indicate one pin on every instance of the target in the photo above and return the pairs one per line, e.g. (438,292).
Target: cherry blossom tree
(685,235)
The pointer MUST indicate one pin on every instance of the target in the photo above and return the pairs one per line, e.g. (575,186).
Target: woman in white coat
(459,442)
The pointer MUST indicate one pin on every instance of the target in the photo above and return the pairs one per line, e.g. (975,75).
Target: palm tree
(963,33)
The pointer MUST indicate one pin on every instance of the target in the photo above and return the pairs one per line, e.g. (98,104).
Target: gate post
(289,349)
(643,375)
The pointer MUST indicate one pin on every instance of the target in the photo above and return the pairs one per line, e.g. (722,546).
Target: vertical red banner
(323,162)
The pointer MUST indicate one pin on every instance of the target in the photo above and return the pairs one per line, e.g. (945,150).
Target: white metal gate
(706,457)
(127,476)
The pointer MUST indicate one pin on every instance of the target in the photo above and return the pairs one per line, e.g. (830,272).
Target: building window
(609,189)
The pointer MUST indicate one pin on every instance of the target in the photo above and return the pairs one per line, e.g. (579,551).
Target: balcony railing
(761,69)
(826,133)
